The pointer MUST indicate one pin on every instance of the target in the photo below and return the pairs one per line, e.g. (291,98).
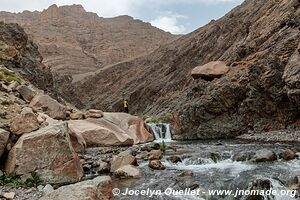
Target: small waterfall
(161,131)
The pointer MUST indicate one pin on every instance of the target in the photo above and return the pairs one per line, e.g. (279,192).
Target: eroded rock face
(291,77)
(99,188)
(47,151)
(210,70)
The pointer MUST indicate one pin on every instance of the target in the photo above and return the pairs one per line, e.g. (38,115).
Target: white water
(158,132)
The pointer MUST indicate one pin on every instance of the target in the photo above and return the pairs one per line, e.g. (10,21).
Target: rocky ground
(286,136)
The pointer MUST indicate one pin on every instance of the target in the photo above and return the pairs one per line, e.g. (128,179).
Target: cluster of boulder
(46,136)
(265,155)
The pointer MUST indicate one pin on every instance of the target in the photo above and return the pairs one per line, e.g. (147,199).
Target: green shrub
(165,118)
(8,76)
(15,181)
(163,146)
(34,180)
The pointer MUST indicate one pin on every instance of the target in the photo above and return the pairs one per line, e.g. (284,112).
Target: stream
(213,167)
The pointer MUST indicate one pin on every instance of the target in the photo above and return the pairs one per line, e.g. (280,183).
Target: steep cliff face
(20,54)
(77,43)
(259,40)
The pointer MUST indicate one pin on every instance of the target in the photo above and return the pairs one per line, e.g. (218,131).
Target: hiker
(125,103)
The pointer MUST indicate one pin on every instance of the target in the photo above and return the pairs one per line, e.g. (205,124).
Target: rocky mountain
(75,42)
(258,40)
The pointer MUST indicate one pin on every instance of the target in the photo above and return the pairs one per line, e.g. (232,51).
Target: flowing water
(213,168)
(161,132)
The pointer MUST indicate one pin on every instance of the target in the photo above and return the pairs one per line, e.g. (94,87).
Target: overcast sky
(175,16)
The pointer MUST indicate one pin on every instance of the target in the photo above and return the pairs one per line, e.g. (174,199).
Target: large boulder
(26,93)
(210,70)
(100,133)
(4,136)
(132,125)
(122,159)
(47,151)
(25,122)
(48,105)
(99,188)
(264,155)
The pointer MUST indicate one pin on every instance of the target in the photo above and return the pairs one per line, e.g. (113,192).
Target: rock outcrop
(47,151)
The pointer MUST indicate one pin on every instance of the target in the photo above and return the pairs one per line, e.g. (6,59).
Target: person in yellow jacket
(125,104)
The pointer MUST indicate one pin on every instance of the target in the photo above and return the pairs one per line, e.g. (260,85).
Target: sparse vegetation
(163,146)
(7,76)
(15,181)
(165,118)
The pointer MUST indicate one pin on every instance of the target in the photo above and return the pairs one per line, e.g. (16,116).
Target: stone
(4,137)
(13,86)
(155,155)
(103,167)
(156,165)
(210,70)
(99,133)
(288,155)
(4,87)
(122,159)
(47,151)
(186,173)
(243,156)
(175,159)
(26,93)
(142,155)
(77,115)
(46,120)
(47,189)
(25,122)
(46,104)
(127,171)
(9,195)
(99,188)
(264,155)
(92,113)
